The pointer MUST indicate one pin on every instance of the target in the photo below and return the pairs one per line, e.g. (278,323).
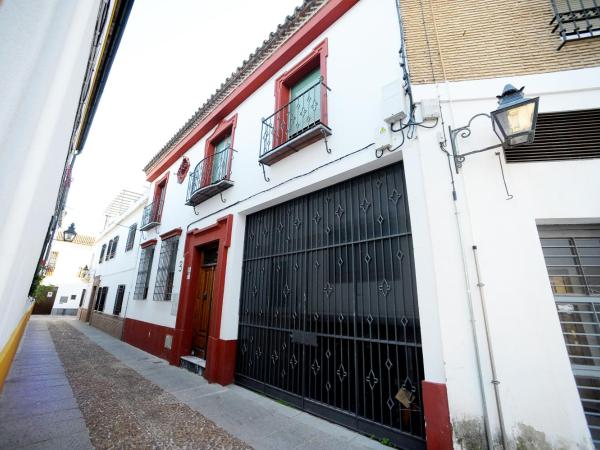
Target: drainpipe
(495,381)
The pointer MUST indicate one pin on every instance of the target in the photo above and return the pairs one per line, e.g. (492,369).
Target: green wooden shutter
(306,109)
(220,160)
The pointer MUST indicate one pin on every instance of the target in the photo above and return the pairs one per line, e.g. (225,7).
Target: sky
(172,57)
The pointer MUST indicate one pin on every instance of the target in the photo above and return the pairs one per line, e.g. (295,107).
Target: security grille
(113,249)
(328,311)
(572,257)
(166,269)
(102,253)
(575,19)
(561,136)
(143,278)
(119,300)
(101,299)
(131,237)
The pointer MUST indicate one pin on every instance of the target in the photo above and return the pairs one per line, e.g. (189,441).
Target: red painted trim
(222,368)
(171,233)
(219,368)
(283,85)
(224,129)
(159,188)
(148,336)
(437,416)
(148,243)
(323,19)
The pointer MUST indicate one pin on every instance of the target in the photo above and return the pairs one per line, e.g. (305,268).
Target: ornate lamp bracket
(465,132)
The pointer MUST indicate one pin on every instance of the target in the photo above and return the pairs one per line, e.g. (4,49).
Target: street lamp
(513,122)
(70,233)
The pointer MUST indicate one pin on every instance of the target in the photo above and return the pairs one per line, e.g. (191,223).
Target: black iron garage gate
(328,314)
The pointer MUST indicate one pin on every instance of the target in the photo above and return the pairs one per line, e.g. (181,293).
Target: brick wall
(478,39)
(108,323)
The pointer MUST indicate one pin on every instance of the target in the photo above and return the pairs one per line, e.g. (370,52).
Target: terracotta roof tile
(291,24)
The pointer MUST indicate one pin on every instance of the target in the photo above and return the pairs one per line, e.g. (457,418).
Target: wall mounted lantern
(70,233)
(513,122)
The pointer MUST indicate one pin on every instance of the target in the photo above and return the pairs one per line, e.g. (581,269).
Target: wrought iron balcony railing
(210,177)
(151,216)
(295,125)
(575,19)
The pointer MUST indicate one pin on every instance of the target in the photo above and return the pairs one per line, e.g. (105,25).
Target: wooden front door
(202,303)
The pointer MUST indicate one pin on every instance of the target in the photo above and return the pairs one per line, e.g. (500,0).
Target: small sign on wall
(49,294)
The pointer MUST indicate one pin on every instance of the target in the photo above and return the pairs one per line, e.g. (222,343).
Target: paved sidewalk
(256,420)
(37,406)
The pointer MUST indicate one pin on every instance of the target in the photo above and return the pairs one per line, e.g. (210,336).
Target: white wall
(44,47)
(71,258)
(528,346)
(536,382)
(122,269)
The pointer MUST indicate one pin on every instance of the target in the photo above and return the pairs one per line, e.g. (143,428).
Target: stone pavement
(254,419)
(37,406)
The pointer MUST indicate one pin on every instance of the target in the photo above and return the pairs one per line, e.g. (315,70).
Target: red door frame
(220,354)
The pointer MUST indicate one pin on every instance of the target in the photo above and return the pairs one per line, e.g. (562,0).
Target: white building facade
(113,272)
(68,270)
(279,248)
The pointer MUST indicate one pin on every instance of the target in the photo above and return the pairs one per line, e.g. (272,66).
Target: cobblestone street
(73,386)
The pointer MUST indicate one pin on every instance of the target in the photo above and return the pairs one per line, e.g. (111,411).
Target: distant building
(67,268)
(55,57)
(113,270)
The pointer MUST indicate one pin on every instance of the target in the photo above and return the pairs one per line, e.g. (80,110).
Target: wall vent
(561,136)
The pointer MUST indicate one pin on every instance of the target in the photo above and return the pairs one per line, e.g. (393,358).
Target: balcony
(151,216)
(294,126)
(210,177)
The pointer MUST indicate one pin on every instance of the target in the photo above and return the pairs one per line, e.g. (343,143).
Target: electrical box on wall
(429,108)
(393,102)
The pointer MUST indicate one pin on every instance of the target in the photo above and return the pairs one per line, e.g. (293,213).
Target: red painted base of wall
(220,361)
(437,416)
(148,337)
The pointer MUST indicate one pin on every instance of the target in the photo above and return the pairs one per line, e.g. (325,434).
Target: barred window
(143,277)
(113,250)
(101,299)
(575,19)
(119,300)
(131,237)
(51,263)
(166,269)
(102,253)
(108,250)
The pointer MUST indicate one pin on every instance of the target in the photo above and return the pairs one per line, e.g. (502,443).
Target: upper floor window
(131,237)
(575,19)
(102,252)
(166,269)
(300,116)
(153,212)
(113,250)
(143,277)
(212,175)
(108,250)
(561,136)
(51,263)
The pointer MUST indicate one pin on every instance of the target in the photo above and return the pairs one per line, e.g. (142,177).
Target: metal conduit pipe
(488,340)
(486,419)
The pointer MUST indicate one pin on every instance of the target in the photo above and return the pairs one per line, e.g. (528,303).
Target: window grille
(113,250)
(51,263)
(108,250)
(63,299)
(166,269)
(561,136)
(575,19)
(143,278)
(119,300)
(101,299)
(572,257)
(102,253)
(131,237)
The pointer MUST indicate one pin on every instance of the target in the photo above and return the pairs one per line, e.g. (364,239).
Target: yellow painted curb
(8,352)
